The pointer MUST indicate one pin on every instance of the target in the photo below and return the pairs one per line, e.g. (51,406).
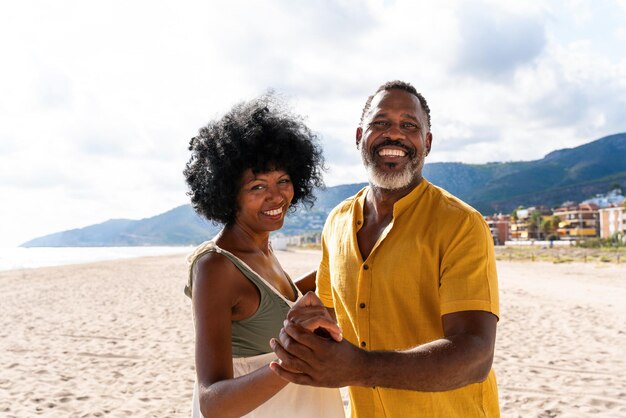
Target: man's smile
(391,152)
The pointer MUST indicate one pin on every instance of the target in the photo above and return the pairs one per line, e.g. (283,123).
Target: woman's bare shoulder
(214,271)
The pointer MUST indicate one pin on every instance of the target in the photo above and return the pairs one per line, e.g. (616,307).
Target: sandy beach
(116,339)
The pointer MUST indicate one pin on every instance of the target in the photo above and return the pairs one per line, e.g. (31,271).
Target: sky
(98,99)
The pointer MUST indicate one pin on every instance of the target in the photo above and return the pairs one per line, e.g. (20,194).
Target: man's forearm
(440,365)
(306,283)
(463,356)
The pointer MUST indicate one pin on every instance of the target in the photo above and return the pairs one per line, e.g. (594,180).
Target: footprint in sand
(550,413)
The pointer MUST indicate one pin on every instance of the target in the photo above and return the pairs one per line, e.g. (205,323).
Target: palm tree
(556,220)
(547,227)
(534,225)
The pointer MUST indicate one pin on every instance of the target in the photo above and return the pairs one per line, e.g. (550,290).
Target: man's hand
(310,313)
(319,362)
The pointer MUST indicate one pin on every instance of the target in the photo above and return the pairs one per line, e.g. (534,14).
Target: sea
(14,258)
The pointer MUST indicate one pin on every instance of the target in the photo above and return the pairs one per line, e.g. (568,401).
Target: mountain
(573,174)
(569,174)
(179,226)
(312,219)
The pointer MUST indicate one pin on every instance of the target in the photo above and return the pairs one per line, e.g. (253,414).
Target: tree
(547,227)
(534,225)
(556,220)
(514,215)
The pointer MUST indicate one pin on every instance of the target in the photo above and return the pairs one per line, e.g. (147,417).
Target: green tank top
(251,336)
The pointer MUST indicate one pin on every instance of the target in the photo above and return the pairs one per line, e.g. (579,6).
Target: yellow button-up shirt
(435,257)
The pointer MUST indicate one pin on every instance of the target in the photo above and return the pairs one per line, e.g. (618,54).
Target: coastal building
(313,239)
(279,241)
(499,225)
(612,221)
(578,221)
(525,223)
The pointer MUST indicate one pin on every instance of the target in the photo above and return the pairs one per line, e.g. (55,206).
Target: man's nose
(394,132)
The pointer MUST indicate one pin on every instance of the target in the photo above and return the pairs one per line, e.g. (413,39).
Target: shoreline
(15,258)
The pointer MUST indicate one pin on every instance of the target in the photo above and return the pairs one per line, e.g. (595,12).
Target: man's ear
(359,134)
(428,142)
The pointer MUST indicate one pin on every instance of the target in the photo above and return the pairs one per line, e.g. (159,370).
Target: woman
(246,170)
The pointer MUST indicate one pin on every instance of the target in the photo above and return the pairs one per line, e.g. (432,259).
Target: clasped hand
(311,349)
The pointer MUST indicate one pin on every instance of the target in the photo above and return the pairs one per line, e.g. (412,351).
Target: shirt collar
(402,204)
(398,207)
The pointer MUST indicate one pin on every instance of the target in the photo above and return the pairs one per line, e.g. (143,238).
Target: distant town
(600,220)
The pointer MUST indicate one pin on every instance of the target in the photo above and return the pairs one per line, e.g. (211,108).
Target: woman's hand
(311,314)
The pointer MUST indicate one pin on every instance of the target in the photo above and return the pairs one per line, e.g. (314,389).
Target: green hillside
(569,174)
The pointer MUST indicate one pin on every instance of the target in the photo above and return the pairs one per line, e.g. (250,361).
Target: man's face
(394,140)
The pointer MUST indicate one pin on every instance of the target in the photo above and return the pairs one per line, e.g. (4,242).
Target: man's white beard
(391,181)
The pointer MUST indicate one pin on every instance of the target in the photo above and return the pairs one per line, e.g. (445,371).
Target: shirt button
(358,222)
(361,305)
(365,266)
(363,344)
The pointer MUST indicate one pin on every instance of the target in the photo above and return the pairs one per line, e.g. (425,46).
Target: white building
(612,221)
(614,197)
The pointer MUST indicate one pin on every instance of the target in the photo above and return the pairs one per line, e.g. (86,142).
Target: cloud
(572,86)
(580,10)
(568,94)
(54,90)
(495,42)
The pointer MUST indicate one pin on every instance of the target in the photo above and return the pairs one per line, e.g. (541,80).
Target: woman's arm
(215,293)
(306,283)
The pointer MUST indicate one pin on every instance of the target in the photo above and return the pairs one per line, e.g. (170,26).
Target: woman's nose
(274,194)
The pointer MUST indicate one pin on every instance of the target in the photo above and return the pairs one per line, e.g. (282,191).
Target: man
(409,272)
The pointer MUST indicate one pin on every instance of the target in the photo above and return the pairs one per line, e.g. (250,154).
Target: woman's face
(263,200)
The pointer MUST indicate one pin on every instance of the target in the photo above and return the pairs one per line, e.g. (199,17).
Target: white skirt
(293,400)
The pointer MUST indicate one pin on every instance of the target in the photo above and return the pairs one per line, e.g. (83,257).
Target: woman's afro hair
(262,135)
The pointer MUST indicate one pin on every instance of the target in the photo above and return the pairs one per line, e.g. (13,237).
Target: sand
(116,339)
(561,342)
